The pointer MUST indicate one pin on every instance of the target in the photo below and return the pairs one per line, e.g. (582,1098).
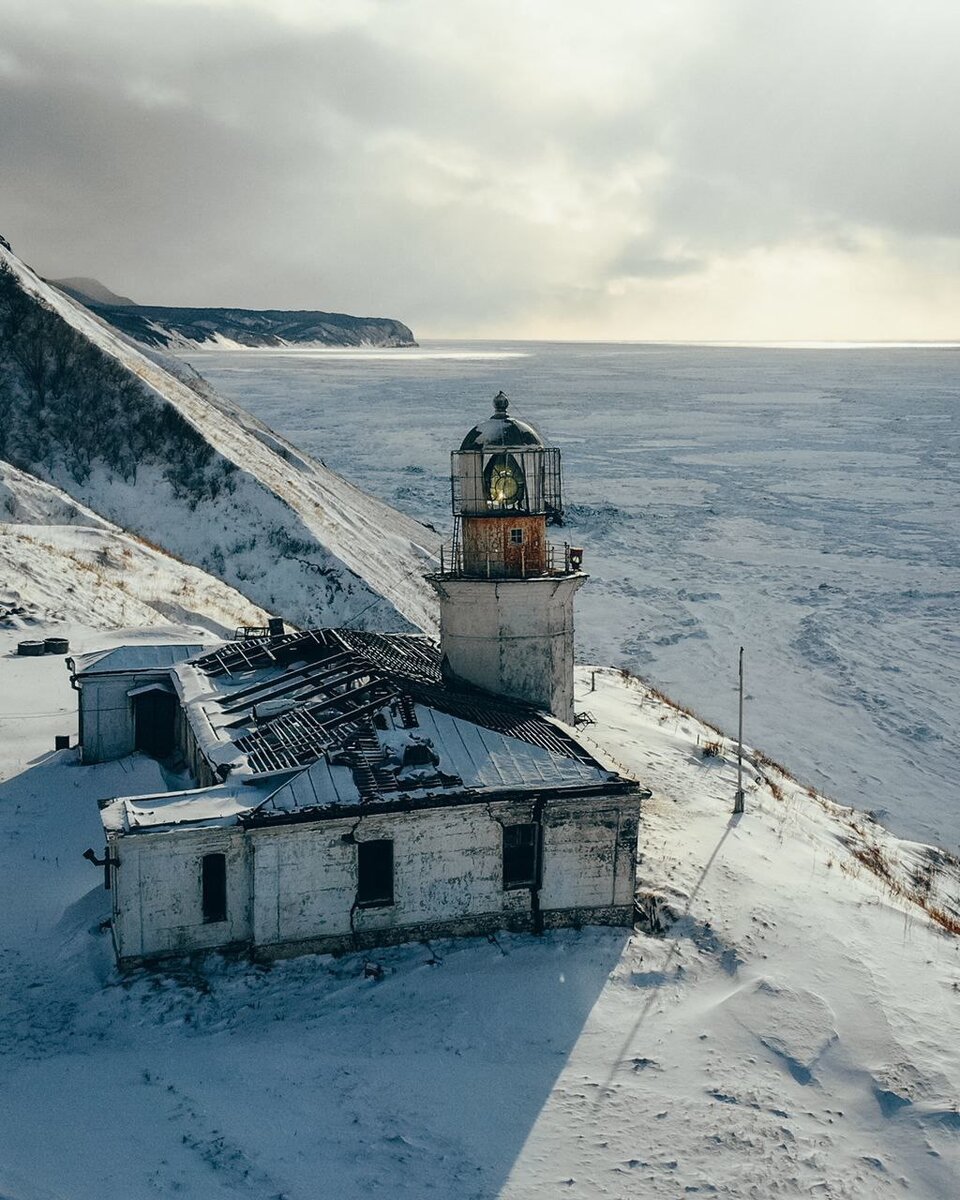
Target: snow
(792,1032)
(800,503)
(141,657)
(59,560)
(292,534)
(195,806)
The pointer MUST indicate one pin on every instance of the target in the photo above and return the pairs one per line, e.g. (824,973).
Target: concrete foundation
(477,926)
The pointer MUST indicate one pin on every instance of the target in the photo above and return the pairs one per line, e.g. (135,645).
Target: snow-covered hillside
(786,1026)
(59,561)
(119,432)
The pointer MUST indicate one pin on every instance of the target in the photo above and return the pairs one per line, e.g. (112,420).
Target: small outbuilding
(126,699)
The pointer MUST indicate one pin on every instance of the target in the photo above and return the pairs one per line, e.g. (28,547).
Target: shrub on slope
(65,404)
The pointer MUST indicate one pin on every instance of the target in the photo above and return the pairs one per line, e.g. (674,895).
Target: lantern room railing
(560,560)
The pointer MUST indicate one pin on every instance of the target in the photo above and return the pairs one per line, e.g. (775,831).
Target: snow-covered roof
(439,759)
(135,657)
(333,719)
(218,805)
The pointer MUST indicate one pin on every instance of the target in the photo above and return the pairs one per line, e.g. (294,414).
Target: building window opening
(375,873)
(520,858)
(213,878)
(516,537)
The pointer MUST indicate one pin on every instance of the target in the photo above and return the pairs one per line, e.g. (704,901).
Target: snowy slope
(792,1031)
(59,561)
(284,529)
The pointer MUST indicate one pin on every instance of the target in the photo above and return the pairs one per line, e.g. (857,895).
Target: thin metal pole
(738,799)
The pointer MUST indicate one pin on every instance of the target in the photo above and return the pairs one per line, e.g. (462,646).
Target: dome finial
(500,405)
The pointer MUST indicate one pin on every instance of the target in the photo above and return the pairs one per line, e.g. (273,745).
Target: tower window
(375,873)
(213,886)
(520,856)
(516,537)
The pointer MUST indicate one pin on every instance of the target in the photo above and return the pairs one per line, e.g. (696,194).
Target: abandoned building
(353,788)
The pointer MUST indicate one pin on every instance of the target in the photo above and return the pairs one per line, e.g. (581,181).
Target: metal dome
(501,430)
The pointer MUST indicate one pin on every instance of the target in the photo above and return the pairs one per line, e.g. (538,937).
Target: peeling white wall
(297,882)
(157,894)
(513,637)
(590,856)
(304,881)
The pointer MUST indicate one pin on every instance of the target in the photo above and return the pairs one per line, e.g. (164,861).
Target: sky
(622,169)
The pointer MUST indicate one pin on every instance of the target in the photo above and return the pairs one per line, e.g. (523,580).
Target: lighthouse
(506,593)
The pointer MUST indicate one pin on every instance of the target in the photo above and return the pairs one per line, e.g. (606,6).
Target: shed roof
(219,805)
(135,657)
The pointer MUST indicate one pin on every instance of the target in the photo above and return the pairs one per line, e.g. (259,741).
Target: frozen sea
(801,502)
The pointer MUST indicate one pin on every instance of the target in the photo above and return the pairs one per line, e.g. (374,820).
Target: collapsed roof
(331,720)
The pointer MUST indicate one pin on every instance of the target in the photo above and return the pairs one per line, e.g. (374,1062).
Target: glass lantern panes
(507,480)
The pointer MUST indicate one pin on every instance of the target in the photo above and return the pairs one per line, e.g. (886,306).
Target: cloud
(674,168)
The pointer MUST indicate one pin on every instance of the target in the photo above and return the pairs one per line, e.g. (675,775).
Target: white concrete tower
(506,594)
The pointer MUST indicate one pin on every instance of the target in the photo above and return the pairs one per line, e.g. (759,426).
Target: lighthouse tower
(506,594)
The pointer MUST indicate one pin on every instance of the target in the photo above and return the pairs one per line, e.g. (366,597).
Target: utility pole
(738,799)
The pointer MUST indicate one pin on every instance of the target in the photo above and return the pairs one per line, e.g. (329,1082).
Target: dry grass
(944,919)
(635,680)
(143,541)
(764,760)
(874,859)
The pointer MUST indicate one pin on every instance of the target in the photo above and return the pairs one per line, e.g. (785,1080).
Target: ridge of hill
(91,291)
(178,327)
(154,450)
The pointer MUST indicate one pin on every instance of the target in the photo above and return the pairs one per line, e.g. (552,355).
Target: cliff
(155,451)
(177,327)
(174,328)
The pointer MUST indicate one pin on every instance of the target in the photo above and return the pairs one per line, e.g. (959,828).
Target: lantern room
(506,490)
(503,468)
